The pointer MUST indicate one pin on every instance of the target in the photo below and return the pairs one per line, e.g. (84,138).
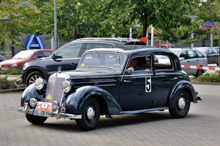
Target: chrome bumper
(53,114)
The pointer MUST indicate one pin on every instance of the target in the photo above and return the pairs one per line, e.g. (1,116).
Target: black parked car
(211,53)
(111,82)
(68,56)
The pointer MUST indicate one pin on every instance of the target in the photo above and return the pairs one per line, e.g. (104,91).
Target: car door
(67,57)
(136,90)
(165,77)
(185,61)
(191,60)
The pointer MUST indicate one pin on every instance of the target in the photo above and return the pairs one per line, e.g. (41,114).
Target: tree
(208,11)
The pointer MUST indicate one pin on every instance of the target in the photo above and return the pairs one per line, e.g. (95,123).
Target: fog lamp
(55,105)
(40,83)
(33,102)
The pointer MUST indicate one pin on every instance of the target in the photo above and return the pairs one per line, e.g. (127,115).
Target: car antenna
(135,42)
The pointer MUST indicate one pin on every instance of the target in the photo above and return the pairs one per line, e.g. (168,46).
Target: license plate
(43,109)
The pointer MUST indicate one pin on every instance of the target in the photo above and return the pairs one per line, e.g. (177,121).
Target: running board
(144,110)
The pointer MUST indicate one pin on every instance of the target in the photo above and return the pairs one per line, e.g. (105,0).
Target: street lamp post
(55,25)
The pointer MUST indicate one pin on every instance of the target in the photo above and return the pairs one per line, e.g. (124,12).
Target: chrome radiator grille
(54,89)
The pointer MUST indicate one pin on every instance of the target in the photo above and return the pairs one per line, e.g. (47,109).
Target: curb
(12,90)
(205,83)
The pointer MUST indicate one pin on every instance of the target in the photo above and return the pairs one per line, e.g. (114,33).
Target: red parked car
(165,45)
(24,56)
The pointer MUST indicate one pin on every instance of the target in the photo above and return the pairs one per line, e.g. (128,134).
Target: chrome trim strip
(96,82)
(106,85)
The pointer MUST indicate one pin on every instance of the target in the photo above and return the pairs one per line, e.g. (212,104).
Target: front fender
(177,88)
(75,100)
(31,92)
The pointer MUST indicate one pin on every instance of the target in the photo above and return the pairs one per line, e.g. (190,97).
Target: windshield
(98,61)
(24,55)
(202,50)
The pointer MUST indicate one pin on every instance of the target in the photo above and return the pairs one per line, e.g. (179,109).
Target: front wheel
(199,72)
(182,105)
(31,78)
(36,120)
(90,115)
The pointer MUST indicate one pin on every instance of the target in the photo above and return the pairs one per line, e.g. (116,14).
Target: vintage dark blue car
(111,82)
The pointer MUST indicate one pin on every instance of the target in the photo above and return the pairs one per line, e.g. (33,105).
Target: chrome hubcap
(90,113)
(182,103)
(33,78)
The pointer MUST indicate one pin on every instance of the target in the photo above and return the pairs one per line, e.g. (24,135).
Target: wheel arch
(182,85)
(30,70)
(76,99)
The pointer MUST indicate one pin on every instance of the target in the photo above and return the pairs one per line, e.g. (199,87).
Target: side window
(38,54)
(183,54)
(164,62)
(107,45)
(199,54)
(210,51)
(214,50)
(92,45)
(69,51)
(191,54)
(47,53)
(141,63)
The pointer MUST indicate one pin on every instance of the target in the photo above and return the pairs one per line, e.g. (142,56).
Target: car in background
(191,57)
(165,45)
(1,58)
(68,57)
(211,54)
(24,56)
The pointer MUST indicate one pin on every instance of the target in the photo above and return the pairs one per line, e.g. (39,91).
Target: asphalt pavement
(200,127)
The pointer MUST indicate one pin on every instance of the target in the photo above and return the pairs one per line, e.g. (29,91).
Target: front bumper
(56,114)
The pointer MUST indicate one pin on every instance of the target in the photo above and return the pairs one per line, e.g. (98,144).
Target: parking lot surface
(200,127)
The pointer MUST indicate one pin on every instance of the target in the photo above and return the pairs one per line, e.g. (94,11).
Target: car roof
(140,50)
(112,39)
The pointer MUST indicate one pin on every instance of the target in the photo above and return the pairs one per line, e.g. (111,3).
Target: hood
(13,61)
(75,74)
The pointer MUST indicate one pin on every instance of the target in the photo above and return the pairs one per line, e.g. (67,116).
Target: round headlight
(39,83)
(33,102)
(66,86)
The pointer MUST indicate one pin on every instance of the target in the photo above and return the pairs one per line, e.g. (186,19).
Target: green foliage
(7,84)
(11,72)
(209,77)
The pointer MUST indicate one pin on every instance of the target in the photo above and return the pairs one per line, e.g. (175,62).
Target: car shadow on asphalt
(116,121)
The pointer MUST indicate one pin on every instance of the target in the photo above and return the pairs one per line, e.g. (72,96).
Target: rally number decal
(148,84)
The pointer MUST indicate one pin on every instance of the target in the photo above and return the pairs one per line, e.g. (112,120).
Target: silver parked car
(211,53)
(193,57)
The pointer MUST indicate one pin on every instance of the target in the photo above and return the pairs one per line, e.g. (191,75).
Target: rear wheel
(182,105)
(90,115)
(33,76)
(37,120)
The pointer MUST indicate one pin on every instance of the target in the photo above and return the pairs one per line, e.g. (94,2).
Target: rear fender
(182,85)
(75,100)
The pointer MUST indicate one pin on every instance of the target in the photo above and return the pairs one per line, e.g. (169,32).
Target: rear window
(164,63)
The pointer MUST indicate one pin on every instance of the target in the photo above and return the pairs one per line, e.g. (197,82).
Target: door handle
(127,80)
(188,61)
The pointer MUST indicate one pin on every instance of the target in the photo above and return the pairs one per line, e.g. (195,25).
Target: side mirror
(181,58)
(53,56)
(130,69)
